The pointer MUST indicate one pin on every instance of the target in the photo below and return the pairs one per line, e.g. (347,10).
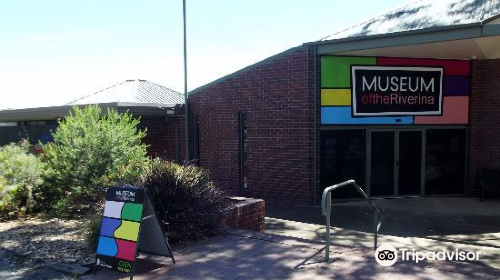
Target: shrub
(91,232)
(61,208)
(91,151)
(20,174)
(188,204)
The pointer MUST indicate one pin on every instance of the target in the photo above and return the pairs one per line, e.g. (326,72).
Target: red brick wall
(484,137)
(246,213)
(161,136)
(276,96)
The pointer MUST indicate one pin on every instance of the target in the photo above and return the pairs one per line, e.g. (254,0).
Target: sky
(54,51)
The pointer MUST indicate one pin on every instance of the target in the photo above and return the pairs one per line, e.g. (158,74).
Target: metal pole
(186,111)
(315,108)
(375,222)
(328,211)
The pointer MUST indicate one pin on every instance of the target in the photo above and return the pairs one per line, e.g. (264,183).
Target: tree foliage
(91,151)
(20,174)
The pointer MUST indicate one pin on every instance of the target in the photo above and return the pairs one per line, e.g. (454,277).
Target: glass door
(409,163)
(382,163)
(395,163)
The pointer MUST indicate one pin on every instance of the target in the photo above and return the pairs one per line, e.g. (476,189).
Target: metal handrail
(326,209)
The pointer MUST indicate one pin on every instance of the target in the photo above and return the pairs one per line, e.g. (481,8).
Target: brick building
(405,103)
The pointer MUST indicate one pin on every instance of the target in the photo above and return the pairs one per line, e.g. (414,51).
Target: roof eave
(411,37)
(54,112)
(490,19)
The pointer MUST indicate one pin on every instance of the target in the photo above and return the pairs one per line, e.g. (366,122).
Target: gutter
(411,37)
(395,34)
(53,112)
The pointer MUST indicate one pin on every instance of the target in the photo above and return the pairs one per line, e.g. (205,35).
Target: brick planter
(246,213)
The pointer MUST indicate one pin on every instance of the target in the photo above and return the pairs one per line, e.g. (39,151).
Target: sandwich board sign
(129,225)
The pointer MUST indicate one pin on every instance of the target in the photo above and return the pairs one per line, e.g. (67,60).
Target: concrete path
(243,254)
(421,223)
(293,247)
(490,255)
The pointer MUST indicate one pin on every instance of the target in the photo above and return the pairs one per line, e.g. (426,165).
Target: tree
(90,152)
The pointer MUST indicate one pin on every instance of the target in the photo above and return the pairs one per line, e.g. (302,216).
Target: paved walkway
(243,254)
(293,248)
(425,223)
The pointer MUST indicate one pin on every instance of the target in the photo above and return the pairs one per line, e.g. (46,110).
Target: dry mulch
(47,240)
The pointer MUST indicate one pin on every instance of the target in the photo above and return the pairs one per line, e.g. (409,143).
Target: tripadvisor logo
(387,255)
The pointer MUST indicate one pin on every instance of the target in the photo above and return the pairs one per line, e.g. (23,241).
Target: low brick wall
(246,213)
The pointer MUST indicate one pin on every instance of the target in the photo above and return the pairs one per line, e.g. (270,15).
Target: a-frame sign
(129,225)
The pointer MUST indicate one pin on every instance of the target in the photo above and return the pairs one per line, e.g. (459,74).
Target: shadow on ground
(405,217)
(255,256)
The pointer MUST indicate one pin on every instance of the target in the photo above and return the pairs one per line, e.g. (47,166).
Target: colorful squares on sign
(342,115)
(336,70)
(126,250)
(121,210)
(121,249)
(451,67)
(335,97)
(132,211)
(127,230)
(107,246)
(120,230)
(109,226)
(455,86)
(455,111)
(113,209)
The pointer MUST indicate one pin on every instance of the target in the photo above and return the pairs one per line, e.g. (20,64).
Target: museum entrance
(395,162)
(389,162)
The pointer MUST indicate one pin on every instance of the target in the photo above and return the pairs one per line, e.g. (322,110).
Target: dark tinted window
(445,161)
(342,158)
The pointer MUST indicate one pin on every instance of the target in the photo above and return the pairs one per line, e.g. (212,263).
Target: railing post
(328,213)
(326,209)
(375,223)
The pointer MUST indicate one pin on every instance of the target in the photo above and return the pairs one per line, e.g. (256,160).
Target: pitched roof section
(424,14)
(133,91)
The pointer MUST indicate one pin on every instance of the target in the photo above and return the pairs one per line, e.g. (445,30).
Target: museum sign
(396,91)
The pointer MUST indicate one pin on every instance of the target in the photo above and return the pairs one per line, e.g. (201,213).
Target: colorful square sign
(394,91)
(120,228)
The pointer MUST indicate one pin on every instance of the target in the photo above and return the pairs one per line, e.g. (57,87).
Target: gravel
(37,239)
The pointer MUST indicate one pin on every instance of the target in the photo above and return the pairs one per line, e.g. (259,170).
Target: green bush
(188,204)
(20,174)
(91,232)
(91,151)
(61,208)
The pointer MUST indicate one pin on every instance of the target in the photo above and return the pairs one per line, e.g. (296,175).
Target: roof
(133,91)
(423,14)
(54,112)
(138,97)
